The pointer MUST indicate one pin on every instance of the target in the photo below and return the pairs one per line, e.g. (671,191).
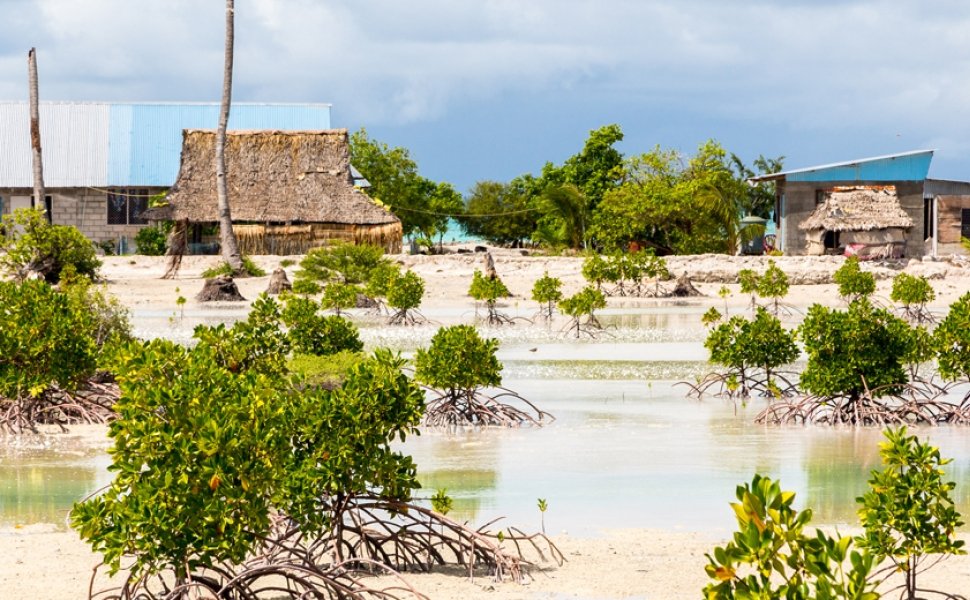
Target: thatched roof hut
(289,191)
(865,220)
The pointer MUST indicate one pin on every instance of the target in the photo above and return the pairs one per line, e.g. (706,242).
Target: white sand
(43,561)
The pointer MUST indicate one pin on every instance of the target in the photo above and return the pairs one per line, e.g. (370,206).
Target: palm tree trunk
(39,192)
(227,239)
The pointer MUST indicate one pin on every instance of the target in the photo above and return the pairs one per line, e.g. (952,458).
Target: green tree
(498,212)
(851,351)
(422,205)
(745,345)
(547,291)
(914,293)
(345,263)
(316,334)
(951,340)
(458,360)
(404,294)
(760,197)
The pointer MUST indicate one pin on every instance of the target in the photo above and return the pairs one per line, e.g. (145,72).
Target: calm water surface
(627,449)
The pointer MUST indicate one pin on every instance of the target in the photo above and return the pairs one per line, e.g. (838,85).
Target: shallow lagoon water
(627,448)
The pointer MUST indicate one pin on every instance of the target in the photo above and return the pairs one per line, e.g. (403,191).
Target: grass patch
(327,371)
(250,268)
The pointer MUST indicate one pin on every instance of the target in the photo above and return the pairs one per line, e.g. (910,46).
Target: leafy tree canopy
(499,212)
(458,359)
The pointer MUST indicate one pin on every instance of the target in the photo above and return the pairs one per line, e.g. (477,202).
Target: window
(125,206)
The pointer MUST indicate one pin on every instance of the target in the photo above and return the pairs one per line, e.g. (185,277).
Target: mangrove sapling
(30,244)
(773,286)
(854,283)
(547,291)
(380,279)
(306,287)
(404,294)
(908,513)
(856,372)
(339,297)
(49,351)
(311,333)
(345,263)
(771,555)
(749,285)
(458,367)
(581,309)
(913,293)
(752,350)
(951,341)
(488,290)
(654,267)
(597,270)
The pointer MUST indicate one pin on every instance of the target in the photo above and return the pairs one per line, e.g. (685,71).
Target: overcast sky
(494,88)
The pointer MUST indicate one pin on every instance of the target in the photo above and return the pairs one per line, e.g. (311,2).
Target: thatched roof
(273,177)
(858,209)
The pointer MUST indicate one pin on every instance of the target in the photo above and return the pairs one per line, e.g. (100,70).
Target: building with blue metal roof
(823,209)
(103,160)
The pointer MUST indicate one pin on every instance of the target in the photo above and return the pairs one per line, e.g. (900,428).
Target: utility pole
(227,238)
(39,192)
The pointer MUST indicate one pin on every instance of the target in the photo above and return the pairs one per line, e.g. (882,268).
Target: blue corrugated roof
(137,144)
(905,166)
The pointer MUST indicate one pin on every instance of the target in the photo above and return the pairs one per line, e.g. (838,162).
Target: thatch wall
(295,188)
(858,209)
(299,239)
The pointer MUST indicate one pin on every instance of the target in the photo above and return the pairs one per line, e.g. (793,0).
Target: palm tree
(227,238)
(567,204)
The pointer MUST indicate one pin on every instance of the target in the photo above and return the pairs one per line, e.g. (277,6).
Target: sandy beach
(49,561)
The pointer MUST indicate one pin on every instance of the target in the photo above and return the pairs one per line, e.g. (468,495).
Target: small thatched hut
(289,191)
(866,221)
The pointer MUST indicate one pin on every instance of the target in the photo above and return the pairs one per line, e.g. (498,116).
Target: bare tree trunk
(39,192)
(227,239)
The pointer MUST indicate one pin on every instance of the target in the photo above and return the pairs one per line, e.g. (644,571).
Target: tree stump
(220,289)
(490,271)
(684,288)
(278,283)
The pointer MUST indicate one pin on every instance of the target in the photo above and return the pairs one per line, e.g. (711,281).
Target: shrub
(32,244)
(347,263)
(547,291)
(854,283)
(951,340)
(597,270)
(250,269)
(583,303)
(380,279)
(853,350)
(150,241)
(914,293)
(458,359)
(339,296)
(315,334)
(772,556)
(773,283)
(405,291)
(744,345)
(44,342)
(102,316)
(306,287)
(487,289)
(908,512)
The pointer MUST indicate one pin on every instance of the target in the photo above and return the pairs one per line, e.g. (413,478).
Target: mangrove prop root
(407,317)
(578,327)
(909,405)
(92,403)
(451,409)
(407,537)
(737,385)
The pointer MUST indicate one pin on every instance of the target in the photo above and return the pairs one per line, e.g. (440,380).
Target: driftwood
(278,283)
(176,246)
(220,289)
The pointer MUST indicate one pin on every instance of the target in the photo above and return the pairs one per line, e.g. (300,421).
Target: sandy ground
(45,561)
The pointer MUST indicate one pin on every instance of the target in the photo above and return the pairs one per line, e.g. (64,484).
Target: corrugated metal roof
(73,138)
(101,144)
(904,166)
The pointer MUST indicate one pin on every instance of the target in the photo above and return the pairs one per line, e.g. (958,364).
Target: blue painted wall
(145,143)
(909,167)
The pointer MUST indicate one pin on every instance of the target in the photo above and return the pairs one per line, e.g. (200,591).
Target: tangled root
(454,409)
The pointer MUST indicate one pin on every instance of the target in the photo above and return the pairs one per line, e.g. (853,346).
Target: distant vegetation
(597,198)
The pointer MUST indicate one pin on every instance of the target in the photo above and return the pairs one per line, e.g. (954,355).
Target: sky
(491,89)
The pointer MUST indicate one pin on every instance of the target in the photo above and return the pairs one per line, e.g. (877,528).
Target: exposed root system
(578,327)
(92,403)
(361,558)
(408,316)
(452,409)
(913,405)
(741,385)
